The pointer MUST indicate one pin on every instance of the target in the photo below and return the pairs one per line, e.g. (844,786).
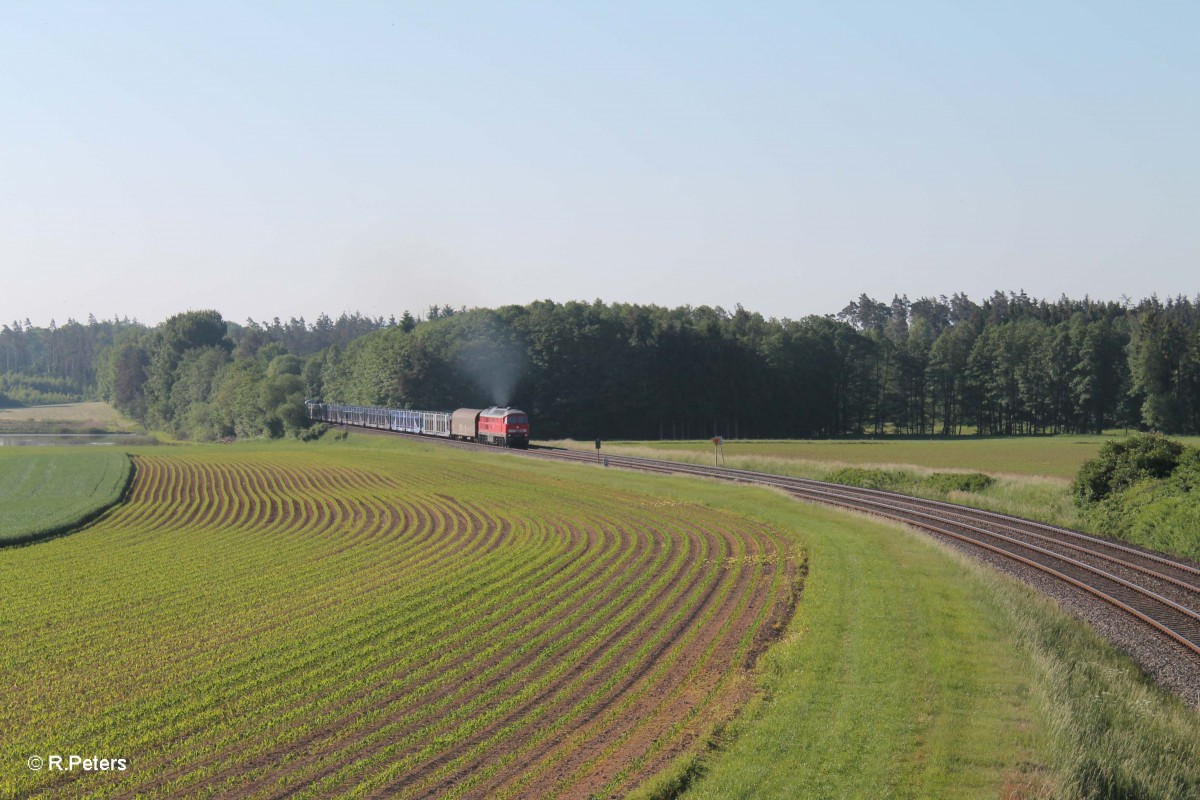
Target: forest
(946,366)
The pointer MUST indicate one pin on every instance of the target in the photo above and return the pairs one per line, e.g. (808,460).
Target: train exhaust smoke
(495,366)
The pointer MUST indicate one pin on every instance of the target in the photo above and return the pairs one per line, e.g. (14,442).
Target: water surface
(51,439)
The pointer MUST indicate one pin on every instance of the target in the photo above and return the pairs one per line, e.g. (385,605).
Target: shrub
(957,482)
(1124,463)
(1154,514)
(312,432)
(1148,504)
(892,480)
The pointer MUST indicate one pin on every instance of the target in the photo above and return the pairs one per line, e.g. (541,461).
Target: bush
(957,482)
(1124,463)
(1145,506)
(312,432)
(891,480)
(1186,477)
(1152,514)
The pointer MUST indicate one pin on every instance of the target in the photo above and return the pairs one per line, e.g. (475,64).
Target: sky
(287,159)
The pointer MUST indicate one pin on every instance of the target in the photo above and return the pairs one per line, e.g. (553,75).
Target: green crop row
(258,622)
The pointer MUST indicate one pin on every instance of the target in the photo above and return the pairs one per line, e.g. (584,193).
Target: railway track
(1158,594)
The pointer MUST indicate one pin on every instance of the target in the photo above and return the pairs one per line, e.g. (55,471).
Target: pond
(74,439)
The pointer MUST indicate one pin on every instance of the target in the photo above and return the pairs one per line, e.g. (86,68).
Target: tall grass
(1038,497)
(1112,733)
(87,417)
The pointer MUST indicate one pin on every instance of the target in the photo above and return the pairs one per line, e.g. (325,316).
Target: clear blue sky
(287,158)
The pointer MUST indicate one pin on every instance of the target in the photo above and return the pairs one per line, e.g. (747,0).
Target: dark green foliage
(1120,464)
(187,378)
(192,329)
(313,432)
(301,338)
(129,379)
(887,479)
(1186,477)
(1145,490)
(1008,365)
(957,481)
(73,353)
(621,370)
(1158,513)
(1164,360)
(17,389)
(285,364)
(188,349)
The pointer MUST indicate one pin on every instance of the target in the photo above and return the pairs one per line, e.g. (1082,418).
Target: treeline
(1008,365)
(19,389)
(57,363)
(73,361)
(938,366)
(1013,365)
(935,366)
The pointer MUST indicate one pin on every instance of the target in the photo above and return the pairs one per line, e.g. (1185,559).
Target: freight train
(507,427)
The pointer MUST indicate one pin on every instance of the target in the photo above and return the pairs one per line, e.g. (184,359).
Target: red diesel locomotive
(507,427)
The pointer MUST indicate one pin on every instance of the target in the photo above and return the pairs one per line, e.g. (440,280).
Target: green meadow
(48,490)
(1029,456)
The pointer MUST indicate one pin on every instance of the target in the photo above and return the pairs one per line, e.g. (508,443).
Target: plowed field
(303,623)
